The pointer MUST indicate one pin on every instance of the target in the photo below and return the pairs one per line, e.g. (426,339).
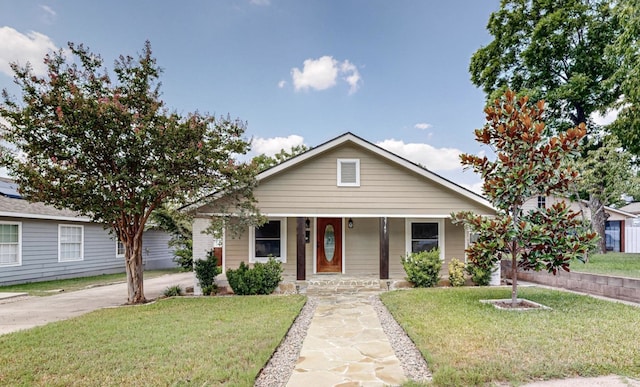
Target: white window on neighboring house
(10,243)
(542,202)
(119,248)
(348,172)
(70,243)
(269,240)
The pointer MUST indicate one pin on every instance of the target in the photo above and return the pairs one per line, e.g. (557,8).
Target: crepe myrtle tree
(528,164)
(110,149)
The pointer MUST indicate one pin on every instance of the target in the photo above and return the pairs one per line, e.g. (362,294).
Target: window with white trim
(348,172)
(10,243)
(424,235)
(269,240)
(542,202)
(470,237)
(70,243)
(119,248)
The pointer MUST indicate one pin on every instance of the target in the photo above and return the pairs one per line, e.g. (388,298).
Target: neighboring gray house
(40,243)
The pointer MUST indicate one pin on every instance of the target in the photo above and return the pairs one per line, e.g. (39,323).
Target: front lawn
(46,288)
(469,343)
(616,264)
(179,341)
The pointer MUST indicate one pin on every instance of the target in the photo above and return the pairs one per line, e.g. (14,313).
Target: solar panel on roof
(9,190)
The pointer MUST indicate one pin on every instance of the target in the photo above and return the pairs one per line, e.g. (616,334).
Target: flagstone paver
(346,346)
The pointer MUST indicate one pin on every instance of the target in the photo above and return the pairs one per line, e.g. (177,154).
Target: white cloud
(475,187)
(608,118)
(422,126)
(21,48)
(49,12)
(261,2)
(322,74)
(351,75)
(273,145)
(282,84)
(435,159)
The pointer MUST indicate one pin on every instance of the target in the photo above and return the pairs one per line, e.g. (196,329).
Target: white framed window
(542,202)
(70,243)
(10,243)
(469,238)
(348,172)
(119,248)
(424,235)
(268,240)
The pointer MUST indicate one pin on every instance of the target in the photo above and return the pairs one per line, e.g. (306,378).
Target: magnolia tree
(527,165)
(111,150)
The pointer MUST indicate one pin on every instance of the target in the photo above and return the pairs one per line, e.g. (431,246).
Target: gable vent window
(348,172)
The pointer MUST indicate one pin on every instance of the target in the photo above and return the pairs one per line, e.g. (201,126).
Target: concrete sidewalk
(346,346)
(24,313)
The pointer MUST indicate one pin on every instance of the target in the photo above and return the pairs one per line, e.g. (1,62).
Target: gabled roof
(392,157)
(620,211)
(13,206)
(633,208)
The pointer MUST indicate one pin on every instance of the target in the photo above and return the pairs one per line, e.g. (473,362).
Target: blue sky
(392,72)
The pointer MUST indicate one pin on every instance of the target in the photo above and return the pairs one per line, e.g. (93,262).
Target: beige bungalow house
(346,208)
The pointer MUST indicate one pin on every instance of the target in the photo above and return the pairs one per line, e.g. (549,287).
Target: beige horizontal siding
(385,189)
(362,247)
(454,245)
(397,248)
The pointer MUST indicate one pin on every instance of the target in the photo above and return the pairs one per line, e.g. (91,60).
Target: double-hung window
(10,244)
(119,248)
(70,243)
(425,235)
(542,202)
(269,240)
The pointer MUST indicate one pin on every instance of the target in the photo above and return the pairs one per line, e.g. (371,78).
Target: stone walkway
(346,346)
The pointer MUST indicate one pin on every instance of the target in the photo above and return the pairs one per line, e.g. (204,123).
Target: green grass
(179,341)
(469,343)
(616,264)
(45,288)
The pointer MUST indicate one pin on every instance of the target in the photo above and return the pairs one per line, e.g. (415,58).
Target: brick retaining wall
(621,288)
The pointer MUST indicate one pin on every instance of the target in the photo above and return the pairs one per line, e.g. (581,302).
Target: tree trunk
(135,269)
(598,221)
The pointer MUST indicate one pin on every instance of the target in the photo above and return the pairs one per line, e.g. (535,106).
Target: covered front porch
(337,249)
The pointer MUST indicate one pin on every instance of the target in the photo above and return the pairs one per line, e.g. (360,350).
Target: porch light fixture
(307,223)
(350,223)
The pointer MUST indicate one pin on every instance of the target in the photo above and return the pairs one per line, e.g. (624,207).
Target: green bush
(480,276)
(206,272)
(183,254)
(263,278)
(423,269)
(456,272)
(173,291)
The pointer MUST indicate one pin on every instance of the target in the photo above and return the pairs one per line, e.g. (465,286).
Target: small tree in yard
(527,165)
(112,151)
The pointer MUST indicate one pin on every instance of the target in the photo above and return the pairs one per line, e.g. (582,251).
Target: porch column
(384,248)
(622,241)
(300,250)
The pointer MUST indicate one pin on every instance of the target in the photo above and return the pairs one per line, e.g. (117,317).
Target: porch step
(331,285)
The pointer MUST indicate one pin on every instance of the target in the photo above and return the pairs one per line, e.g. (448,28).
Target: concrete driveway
(24,313)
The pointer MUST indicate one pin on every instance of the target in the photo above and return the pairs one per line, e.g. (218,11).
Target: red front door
(329,245)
